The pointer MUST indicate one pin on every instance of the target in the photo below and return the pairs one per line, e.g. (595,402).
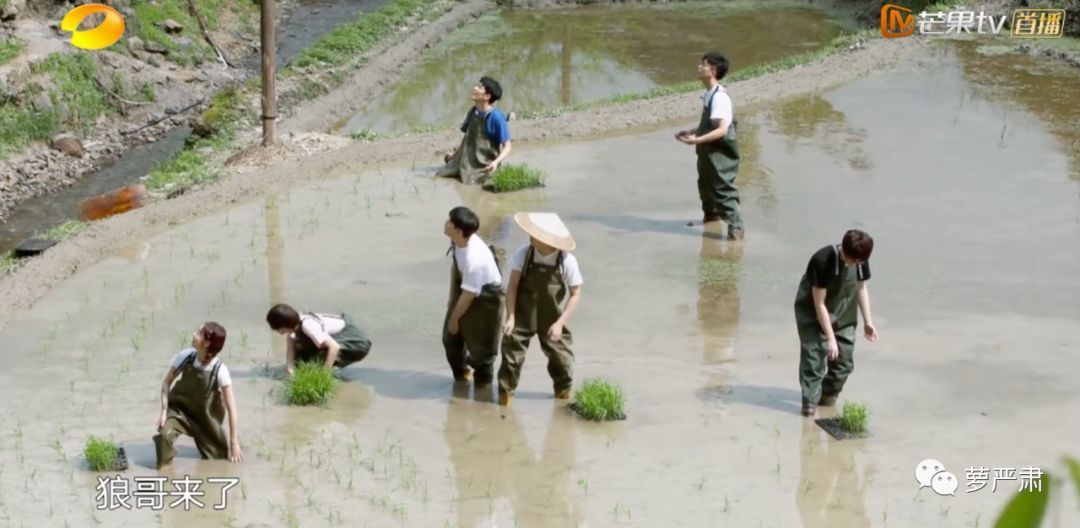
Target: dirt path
(387,65)
(26,285)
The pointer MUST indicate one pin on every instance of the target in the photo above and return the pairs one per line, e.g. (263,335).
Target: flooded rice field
(968,191)
(567,56)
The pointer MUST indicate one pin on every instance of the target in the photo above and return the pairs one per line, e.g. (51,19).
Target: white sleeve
(721,106)
(571,272)
(314,330)
(472,280)
(179,358)
(224,379)
(518,260)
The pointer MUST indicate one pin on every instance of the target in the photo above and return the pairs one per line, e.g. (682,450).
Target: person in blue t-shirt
(486,143)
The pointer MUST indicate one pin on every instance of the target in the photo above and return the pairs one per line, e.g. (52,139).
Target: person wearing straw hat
(544,290)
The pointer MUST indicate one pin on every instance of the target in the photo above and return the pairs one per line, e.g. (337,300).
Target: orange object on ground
(113,203)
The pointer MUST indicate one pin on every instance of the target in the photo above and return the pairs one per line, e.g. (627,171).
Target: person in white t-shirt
(474,308)
(195,405)
(717,148)
(334,340)
(544,290)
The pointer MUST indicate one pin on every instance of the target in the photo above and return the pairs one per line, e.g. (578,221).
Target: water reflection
(275,268)
(1042,86)
(831,494)
(813,117)
(718,296)
(496,211)
(558,57)
(753,174)
(494,465)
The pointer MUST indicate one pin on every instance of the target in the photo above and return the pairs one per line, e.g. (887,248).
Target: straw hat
(547,228)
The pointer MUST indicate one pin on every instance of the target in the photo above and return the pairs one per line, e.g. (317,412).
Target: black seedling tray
(491,188)
(121,461)
(574,407)
(33,246)
(833,427)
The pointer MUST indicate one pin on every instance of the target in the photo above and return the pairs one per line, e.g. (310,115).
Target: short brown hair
(858,245)
(282,316)
(214,335)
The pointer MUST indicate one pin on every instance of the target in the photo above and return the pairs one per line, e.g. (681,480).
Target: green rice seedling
(853,417)
(516,176)
(100,453)
(599,400)
(312,384)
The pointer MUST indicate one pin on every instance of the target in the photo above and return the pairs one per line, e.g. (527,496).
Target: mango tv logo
(104,35)
(896,21)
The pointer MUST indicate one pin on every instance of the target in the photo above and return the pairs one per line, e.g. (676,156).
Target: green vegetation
(63,231)
(188,168)
(76,92)
(1027,509)
(853,417)
(9,49)
(599,400)
(366,134)
(513,177)
(311,384)
(224,113)
(8,262)
(344,43)
(193,165)
(101,454)
(149,13)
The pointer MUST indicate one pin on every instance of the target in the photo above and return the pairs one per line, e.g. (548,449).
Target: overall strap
(528,261)
(317,319)
(188,360)
(529,258)
(213,378)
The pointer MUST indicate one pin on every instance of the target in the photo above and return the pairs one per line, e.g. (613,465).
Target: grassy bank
(150,13)
(68,229)
(9,49)
(77,102)
(342,46)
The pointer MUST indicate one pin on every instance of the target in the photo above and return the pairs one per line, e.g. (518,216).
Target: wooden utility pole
(269,64)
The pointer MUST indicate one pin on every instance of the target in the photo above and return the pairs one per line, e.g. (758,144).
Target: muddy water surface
(977,318)
(551,58)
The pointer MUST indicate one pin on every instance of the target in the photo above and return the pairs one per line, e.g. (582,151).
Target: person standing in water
(831,293)
(474,307)
(717,148)
(486,143)
(545,288)
(195,405)
(334,340)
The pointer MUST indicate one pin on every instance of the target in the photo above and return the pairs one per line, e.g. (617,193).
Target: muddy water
(310,20)
(44,212)
(551,58)
(977,318)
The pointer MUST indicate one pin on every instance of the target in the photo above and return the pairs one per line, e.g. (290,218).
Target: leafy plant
(854,416)
(513,177)
(9,49)
(100,453)
(599,400)
(311,384)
